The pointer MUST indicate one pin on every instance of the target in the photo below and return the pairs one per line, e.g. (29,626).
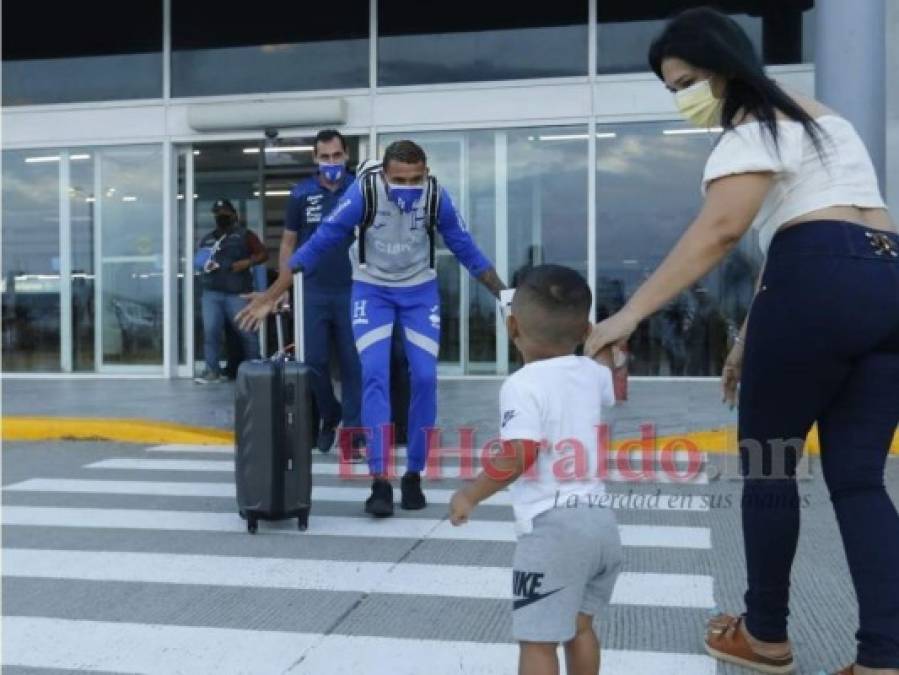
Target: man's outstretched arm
(332,231)
(459,241)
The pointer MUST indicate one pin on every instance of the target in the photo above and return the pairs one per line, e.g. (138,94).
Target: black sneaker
(413,498)
(380,504)
(326,437)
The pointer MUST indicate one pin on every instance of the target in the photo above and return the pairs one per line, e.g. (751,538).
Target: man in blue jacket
(326,302)
(395,281)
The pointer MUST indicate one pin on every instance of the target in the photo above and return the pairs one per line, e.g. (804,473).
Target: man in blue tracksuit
(396,282)
(326,301)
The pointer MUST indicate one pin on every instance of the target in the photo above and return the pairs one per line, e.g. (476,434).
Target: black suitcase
(274,435)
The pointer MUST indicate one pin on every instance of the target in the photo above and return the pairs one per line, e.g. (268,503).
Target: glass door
(128,258)
(257,177)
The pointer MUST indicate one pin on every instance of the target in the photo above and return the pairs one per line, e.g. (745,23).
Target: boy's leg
(582,651)
(419,317)
(373,316)
(538,658)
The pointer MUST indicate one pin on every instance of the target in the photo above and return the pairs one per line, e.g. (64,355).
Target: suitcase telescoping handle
(299,340)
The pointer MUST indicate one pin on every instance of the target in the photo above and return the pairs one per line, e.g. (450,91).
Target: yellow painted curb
(724,441)
(716,441)
(106,429)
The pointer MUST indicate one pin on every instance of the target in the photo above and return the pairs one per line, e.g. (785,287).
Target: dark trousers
(327,327)
(823,345)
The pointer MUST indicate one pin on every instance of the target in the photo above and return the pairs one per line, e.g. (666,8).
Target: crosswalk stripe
(679,456)
(456,581)
(337,526)
(117,646)
(184,447)
(325,493)
(615,475)
(664,590)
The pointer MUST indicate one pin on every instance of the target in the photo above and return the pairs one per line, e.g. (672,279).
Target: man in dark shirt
(224,259)
(326,300)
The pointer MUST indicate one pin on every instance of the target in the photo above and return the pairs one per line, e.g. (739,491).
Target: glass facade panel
(648,178)
(130,240)
(273,46)
(508,185)
(95,50)
(31,288)
(781,30)
(477,41)
(82,209)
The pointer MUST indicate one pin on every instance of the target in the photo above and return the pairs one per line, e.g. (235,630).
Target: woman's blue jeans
(822,345)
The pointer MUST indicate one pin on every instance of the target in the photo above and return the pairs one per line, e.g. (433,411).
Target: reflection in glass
(276,46)
(81,51)
(647,194)
(782,32)
(470,41)
(131,255)
(31,289)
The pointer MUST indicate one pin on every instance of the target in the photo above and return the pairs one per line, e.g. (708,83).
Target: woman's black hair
(706,38)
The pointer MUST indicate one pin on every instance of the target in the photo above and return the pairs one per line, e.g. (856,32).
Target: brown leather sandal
(725,641)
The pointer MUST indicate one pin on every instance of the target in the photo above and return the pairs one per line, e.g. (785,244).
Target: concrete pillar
(850,68)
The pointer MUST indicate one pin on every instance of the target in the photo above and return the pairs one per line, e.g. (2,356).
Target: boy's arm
(520,434)
(458,240)
(503,469)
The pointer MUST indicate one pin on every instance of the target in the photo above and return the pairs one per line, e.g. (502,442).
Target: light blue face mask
(332,172)
(405,196)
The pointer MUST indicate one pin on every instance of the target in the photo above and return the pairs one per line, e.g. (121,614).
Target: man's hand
(241,265)
(491,281)
(255,312)
(460,507)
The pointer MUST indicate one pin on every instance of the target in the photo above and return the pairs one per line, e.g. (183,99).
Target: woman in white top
(821,341)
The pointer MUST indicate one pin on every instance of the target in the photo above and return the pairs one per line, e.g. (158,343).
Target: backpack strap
(369,209)
(432,208)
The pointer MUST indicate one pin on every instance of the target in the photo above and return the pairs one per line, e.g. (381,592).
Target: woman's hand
(613,331)
(730,375)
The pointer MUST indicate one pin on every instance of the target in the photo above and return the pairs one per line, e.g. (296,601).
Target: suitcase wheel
(252,525)
(303,520)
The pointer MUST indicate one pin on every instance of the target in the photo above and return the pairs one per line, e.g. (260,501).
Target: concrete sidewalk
(674,407)
(180,411)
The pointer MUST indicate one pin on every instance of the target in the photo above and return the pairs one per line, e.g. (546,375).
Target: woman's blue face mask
(405,196)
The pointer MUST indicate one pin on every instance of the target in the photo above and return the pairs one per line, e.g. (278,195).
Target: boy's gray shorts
(567,564)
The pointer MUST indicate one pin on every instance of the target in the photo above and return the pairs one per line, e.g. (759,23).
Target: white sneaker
(209,378)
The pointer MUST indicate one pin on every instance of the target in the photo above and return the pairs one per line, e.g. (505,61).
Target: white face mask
(698,105)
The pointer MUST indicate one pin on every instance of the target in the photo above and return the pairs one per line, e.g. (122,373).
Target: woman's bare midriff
(876,219)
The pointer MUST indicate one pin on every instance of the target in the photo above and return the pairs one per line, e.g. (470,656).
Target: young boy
(568,552)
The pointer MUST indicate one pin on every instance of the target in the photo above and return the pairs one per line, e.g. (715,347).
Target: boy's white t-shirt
(556,401)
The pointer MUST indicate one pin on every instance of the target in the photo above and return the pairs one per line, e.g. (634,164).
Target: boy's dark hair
(407,152)
(326,135)
(552,305)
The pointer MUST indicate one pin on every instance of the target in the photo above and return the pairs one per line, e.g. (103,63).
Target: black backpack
(368,175)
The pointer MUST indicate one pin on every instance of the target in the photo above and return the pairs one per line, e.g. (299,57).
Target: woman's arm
(731,205)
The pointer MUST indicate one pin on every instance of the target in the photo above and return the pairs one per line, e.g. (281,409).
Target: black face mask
(224,221)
